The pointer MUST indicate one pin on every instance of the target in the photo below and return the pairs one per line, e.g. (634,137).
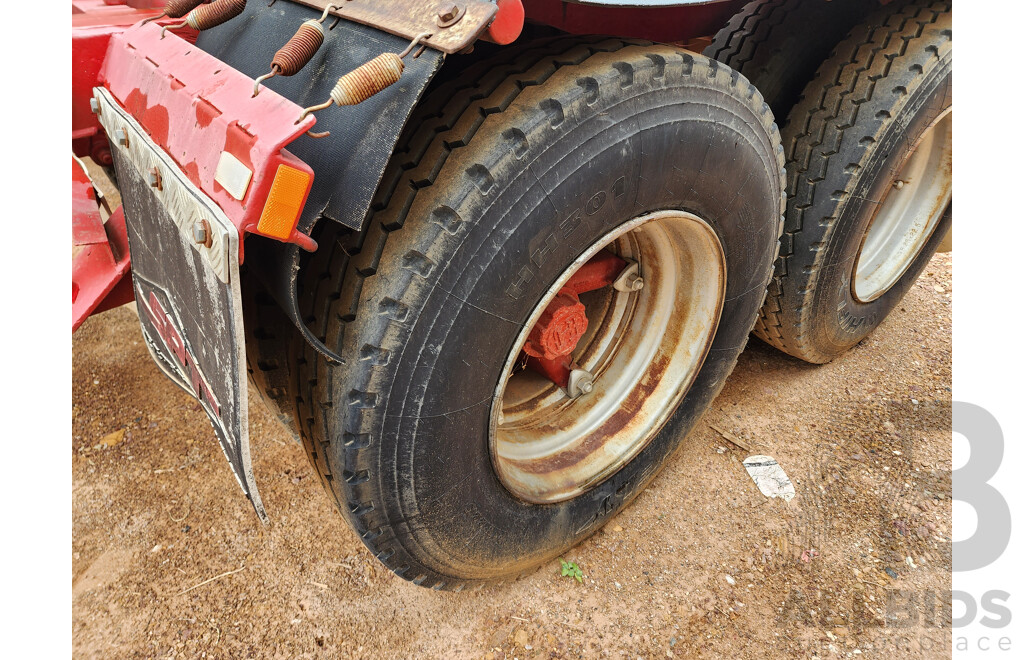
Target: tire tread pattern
(848,102)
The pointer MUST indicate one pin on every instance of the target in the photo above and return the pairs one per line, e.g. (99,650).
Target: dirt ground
(168,560)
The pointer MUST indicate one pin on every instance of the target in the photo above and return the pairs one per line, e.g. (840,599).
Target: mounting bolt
(201,233)
(899,183)
(580,382)
(155,179)
(121,136)
(94,105)
(448,13)
(629,279)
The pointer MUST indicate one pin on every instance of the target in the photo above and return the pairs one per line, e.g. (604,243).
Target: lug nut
(201,233)
(154,178)
(121,136)
(580,382)
(94,105)
(629,279)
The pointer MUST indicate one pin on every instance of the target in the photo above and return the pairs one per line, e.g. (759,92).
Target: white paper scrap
(769,476)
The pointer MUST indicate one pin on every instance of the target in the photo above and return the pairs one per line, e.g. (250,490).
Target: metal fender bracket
(185,254)
(453,25)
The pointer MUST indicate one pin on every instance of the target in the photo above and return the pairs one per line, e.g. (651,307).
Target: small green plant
(571,569)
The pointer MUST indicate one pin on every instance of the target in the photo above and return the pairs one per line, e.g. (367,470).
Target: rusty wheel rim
(644,349)
(908,214)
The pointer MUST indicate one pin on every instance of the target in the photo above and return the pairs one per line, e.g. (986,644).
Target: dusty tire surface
(845,141)
(500,185)
(779,44)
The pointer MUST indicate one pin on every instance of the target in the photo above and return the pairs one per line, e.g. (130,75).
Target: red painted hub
(564,322)
(559,328)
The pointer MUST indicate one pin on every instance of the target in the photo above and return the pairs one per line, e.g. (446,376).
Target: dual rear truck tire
(504,182)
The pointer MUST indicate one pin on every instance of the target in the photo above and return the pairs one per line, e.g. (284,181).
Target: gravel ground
(168,560)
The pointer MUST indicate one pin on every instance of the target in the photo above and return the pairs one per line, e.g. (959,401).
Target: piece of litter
(721,450)
(730,579)
(769,477)
(731,438)
(910,563)
(112,439)
(808,555)
(157,548)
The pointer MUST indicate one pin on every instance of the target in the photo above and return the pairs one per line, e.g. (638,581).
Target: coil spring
(300,49)
(208,16)
(360,84)
(178,8)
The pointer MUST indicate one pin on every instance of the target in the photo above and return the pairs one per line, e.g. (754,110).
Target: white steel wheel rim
(644,349)
(908,214)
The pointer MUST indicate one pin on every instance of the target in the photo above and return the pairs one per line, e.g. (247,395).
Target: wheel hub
(908,214)
(577,401)
(564,321)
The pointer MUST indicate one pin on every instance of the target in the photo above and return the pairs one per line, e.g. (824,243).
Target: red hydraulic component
(100,278)
(559,327)
(564,322)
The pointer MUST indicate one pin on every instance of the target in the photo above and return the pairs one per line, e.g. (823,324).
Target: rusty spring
(368,79)
(365,80)
(208,16)
(299,50)
(176,9)
(295,54)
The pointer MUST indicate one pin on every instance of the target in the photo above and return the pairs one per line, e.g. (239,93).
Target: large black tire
(846,142)
(779,44)
(418,304)
(271,342)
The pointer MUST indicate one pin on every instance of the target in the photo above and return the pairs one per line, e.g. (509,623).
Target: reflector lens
(284,203)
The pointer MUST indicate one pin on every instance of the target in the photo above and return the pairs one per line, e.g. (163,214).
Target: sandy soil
(700,566)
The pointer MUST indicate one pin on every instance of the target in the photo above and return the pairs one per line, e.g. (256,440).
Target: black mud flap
(186,290)
(349,164)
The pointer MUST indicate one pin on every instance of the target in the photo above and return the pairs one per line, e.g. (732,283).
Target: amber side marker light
(284,203)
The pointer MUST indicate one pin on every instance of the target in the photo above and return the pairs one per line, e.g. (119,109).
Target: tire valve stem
(366,80)
(176,9)
(299,50)
(208,16)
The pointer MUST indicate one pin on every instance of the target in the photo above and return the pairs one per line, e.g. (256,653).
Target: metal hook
(327,10)
(315,108)
(416,40)
(155,18)
(172,27)
(274,70)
